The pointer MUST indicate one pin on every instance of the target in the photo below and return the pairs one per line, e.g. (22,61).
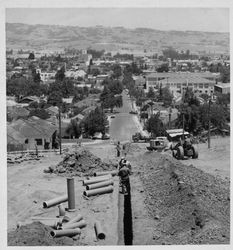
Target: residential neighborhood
(118,134)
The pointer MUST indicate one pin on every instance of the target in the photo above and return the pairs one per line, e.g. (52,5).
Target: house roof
(31,98)
(13,136)
(88,110)
(53,109)
(182,75)
(34,127)
(78,116)
(17,111)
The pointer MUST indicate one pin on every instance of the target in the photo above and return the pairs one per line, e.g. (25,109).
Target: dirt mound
(36,234)
(131,148)
(80,163)
(191,206)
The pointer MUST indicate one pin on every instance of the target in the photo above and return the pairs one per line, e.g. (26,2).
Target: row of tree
(195,116)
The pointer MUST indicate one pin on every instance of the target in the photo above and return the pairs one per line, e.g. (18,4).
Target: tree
(163,68)
(109,100)
(115,87)
(33,105)
(223,99)
(117,72)
(37,78)
(167,96)
(60,75)
(191,118)
(55,98)
(74,129)
(41,113)
(96,122)
(31,56)
(151,93)
(155,126)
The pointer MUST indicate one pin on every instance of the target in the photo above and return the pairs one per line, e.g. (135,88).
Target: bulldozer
(159,144)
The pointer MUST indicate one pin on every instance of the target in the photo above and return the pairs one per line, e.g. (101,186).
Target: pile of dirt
(132,148)
(80,163)
(189,205)
(36,234)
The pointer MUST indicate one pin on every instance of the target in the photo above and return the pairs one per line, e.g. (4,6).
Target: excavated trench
(127,219)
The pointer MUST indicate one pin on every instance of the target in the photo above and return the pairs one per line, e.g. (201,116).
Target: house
(32,132)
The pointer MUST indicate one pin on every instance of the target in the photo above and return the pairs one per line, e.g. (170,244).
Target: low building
(179,82)
(223,88)
(33,132)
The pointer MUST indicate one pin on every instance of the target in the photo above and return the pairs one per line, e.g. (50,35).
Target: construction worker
(128,165)
(118,148)
(122,162)
(124,173)
(187,142)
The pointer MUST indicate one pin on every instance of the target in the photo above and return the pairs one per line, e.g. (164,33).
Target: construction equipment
(182,150)
(159,144)
(137,137)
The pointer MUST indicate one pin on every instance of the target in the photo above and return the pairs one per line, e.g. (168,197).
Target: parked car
(106,136)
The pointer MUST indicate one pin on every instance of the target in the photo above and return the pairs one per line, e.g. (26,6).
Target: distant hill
(38,37)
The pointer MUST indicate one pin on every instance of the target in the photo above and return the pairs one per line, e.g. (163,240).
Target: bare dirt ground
(176,203)
(29,186)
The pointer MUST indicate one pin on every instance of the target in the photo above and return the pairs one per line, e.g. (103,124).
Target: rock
(156,217)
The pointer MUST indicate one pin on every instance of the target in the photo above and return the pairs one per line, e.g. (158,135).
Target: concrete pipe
(66,232)
(80,224)
(55,201)
(65,219)
(113,173)
(99,231)
(71,194)
(100,184)
(96,179)
(61,210)
(103,190)
(54,223)
(75,219)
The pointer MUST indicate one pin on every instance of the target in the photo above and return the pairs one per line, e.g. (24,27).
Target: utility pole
(59,110)
(170,112)
(183,125)
(209,124)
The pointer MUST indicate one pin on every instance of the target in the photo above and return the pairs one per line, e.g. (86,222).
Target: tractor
(182,150)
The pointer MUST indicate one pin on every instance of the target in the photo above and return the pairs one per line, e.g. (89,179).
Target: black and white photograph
(117,124)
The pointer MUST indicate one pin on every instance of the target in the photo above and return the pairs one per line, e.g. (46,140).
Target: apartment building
(200,83)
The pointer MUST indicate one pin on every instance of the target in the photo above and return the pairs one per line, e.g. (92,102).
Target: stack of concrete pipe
(71,228)
(101,184)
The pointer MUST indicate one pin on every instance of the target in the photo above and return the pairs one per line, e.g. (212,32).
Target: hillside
(111,38)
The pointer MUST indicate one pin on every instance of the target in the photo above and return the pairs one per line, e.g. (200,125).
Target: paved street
(123,125)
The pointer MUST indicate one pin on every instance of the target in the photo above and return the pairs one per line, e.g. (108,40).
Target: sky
(199,19)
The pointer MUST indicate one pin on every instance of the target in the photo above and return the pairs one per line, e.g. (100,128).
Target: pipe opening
(95,174)
(127,220)
(85,193)
(45,205)
(87,187)
(52,233)
(101,236)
